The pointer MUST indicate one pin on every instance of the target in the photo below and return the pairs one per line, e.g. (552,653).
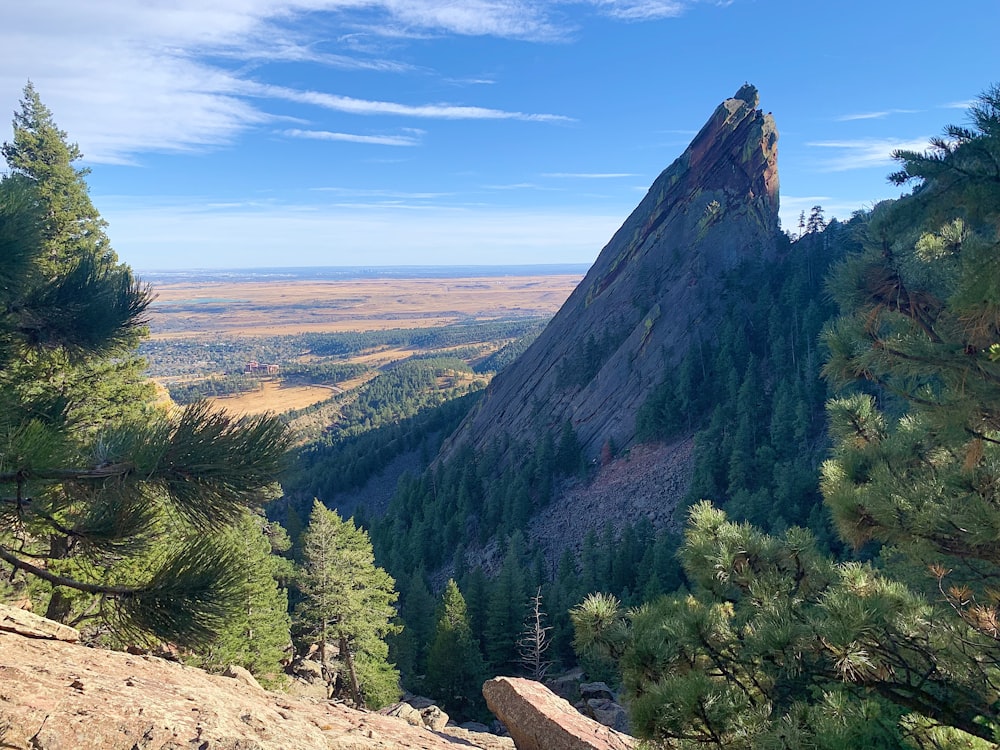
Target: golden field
(216,311)
(275,308)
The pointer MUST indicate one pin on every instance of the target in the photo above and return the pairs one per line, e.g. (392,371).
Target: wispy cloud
(518,186)
(880,115)
(356,106)
(964,104)
(380,140)
(127,78)
(379,193)
(589,175)
(641,10)
(512,19)
(865,152)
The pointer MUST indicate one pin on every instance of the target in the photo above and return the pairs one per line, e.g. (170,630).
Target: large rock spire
(652,291)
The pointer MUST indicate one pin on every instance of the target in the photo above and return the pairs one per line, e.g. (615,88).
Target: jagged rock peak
(653,290)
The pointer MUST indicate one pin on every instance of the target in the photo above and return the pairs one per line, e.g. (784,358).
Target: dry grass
(270,308)
(223,310)
(274,397)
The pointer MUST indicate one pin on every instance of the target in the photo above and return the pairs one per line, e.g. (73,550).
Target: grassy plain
(275,396)
(273,308)
(215,312)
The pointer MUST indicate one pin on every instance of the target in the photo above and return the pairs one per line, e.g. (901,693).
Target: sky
(263,133)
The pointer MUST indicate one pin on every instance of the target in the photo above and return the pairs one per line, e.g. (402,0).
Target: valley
(324,338)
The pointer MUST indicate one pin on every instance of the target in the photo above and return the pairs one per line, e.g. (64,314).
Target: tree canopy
(780,646)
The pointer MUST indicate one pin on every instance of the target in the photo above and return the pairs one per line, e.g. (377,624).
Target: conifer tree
(455,668)
(82,511)
(41,152)
(86,390)
(506,611)
(256,636)
(348,601)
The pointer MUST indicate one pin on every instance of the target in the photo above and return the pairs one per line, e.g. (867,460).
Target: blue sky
(245,133)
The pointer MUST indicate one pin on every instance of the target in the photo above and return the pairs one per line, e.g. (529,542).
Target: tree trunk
(348,658)
(59,604)
(328,674)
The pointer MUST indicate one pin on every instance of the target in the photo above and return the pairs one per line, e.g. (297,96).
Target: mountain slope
(650,294)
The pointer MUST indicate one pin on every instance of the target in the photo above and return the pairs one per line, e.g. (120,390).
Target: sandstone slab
(62,696)
(25,623)
(538,719)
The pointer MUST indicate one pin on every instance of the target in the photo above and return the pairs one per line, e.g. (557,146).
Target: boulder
(590,690)
(567,685)
(608,713)
(474,726)
(23,622)
(404,711)
(538,719)
(419,702)
(434,718)
(242,675)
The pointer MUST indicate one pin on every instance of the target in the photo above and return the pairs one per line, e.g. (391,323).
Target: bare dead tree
(535,640)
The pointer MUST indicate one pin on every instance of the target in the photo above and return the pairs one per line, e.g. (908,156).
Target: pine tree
(505,613)
(348,601)
(86,390)
(84,512)
(410,646)
(40,152)
(256,636)
(816,223)
(455,668)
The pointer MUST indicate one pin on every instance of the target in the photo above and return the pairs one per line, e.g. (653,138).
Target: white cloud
(356,106)
(865,152)
(589,175)
(518,186)
(126,77)
(641,10)
(380,140)
(881,115)
(378,193)
(502,18)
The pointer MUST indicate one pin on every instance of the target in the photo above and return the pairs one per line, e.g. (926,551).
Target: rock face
(654,289)
(61,696)
(538,719)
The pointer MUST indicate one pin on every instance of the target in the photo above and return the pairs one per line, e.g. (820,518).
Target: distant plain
(240,311)
(190,309)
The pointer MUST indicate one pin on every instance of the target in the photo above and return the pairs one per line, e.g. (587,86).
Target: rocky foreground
(58,695)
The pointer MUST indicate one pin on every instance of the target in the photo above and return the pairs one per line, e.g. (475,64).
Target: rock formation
(654,289)
(538,719)
(56,695)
